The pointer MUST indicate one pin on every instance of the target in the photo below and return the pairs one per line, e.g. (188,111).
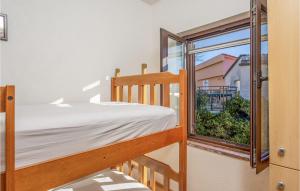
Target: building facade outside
(212,71)
(239,76)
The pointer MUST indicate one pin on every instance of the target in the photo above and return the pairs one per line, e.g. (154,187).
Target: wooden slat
(166,95)
(121,167)
(2,99)
(152,180)
(145,176)
(141,94)
(129,94)
(120,93)
(113,90)
(140,173)
(117,93)
(67,169)
(10,138)
(152,94)
(154,78)
(129,165)
(166,183)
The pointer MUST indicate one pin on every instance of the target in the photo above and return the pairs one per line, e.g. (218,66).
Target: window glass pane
(1,26)
(233,51)
(173,63)
(222,105)
(175,60)
(264,89)
(227,37)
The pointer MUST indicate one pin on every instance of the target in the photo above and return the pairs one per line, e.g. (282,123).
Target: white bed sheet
(45,132)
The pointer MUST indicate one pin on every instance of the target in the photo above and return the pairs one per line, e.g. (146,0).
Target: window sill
(219,149)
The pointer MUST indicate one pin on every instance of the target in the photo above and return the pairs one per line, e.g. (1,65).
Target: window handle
(264,78)
(261,79)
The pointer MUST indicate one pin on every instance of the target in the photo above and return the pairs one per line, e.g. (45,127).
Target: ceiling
(150,2)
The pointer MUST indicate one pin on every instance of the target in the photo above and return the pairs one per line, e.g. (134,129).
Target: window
(222,107)
(222,112)
(227,65)
(260,89)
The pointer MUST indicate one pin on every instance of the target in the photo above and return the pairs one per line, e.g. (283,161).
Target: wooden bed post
(114,89)
(142,92)
(144,68)
(144,71)
(183,124)
(7,97)
(119,91)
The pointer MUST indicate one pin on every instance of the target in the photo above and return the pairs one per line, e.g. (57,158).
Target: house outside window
(205,84)
(237,84)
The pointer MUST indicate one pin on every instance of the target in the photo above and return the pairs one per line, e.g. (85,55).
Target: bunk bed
(51,173)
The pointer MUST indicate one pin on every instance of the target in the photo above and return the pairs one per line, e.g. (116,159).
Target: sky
(234,51)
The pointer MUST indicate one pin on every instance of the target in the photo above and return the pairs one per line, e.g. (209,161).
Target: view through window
(222,82)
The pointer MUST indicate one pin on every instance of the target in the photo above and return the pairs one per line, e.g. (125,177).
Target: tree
(232,124)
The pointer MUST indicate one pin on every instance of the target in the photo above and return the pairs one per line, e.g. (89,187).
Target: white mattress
(45,132)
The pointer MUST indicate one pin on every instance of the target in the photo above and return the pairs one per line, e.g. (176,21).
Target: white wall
(57,47)
(180,15)
(206,171)
(209,171)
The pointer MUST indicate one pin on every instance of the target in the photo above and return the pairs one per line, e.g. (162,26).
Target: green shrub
(232,124)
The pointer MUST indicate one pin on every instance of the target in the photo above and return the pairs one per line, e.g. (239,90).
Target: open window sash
(172,52)
(259,86)
(173,59)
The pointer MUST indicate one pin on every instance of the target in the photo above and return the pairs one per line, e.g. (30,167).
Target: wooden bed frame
(146,171)
(54,173)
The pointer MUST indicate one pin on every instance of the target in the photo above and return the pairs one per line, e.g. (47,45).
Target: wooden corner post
(8,94)
(183,124)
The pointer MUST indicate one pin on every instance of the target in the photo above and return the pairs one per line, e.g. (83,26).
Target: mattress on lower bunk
(45,132)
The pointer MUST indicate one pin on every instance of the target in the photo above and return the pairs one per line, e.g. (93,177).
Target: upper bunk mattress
(45,132)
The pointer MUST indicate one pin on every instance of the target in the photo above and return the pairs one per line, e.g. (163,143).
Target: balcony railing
(216,97)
